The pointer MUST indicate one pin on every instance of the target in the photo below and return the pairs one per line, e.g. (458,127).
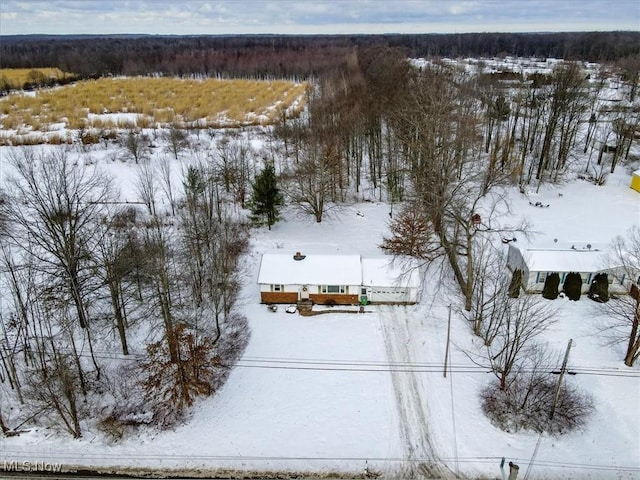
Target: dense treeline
(289,56)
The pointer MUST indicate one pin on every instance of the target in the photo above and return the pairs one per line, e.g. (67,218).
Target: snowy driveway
(401,348)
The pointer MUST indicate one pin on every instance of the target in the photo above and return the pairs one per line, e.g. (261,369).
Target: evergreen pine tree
(516,284)
(551,284)
(573,286)
(599,288)
(266,197)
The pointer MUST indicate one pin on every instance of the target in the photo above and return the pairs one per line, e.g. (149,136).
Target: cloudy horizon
(228,17)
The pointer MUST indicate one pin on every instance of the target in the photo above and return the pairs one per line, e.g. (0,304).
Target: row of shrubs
(572,287)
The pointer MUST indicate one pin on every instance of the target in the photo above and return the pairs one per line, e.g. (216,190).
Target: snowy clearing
(319,393)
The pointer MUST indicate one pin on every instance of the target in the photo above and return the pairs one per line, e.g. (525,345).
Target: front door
(364,299)
(304,292)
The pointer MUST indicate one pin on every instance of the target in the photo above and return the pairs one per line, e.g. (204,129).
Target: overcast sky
(211,17)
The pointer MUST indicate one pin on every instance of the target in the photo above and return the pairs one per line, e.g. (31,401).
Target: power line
(375,366)
(613,371)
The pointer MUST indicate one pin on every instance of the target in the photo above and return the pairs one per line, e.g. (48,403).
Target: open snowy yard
(350,392)
(356,392)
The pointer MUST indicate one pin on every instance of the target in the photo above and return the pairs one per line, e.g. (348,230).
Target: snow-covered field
(353,392)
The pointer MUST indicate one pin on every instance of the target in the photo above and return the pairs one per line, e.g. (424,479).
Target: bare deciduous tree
(177,140)
(136,144)
(568,101)
(213,242)
(452,186)
(630,67)
(55,205)
(624,310)
(489,292)
(309,187)
(116,263)
(166,181)
(147,186)
(519,322)
(530,399)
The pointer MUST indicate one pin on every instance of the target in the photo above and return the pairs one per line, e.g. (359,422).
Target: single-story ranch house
(334,278)
(537,263)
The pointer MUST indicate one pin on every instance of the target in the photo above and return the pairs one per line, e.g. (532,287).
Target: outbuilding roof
(568,260)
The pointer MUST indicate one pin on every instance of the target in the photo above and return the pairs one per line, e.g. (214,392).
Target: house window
(333,289)
(589,275)
(541,277)
(277,288)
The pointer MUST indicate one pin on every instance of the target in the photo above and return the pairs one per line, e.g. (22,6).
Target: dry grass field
(145,102)
(17,77)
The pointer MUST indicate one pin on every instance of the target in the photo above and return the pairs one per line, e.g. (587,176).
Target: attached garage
(389,281)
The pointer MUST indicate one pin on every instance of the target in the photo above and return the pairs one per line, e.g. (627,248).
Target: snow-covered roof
(280,268)
(383,271)
(565,260)
(316,269)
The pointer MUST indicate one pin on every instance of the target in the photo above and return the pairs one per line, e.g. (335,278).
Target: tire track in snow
(408,388)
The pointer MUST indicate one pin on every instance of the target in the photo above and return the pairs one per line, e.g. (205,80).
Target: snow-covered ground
(357,392)
(349,392)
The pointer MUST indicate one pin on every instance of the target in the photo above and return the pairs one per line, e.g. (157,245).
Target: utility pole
(553,408)
(562,371)
(446,350)
(502,469)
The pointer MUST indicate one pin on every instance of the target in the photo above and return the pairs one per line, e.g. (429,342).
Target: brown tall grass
(155,101)
(17,77)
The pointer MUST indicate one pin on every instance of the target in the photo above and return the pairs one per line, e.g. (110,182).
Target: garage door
(390,295)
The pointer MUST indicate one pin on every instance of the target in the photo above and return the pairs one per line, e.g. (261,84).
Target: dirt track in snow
(401,346)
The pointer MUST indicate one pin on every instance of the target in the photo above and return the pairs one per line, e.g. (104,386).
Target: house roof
(316,269)
(383,271)
(565,260)
(280,268)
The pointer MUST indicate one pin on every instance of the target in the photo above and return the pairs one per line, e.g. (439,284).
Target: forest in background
(289,55)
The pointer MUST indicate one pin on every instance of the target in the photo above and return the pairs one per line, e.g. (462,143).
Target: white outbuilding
(537,264)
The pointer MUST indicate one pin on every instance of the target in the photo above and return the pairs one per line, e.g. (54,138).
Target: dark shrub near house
(599,288)
(572,286)
(516,284)
(551,284)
